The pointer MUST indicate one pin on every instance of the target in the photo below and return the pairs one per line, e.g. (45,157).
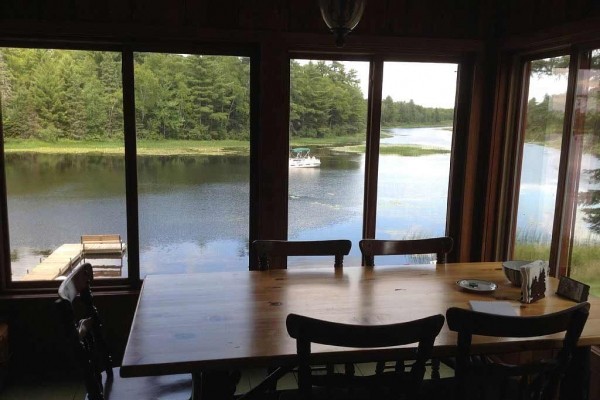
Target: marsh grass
(406,151)
(585,256)
(334,141)
(413,235)
(116,147)
(585,264)
(348,144)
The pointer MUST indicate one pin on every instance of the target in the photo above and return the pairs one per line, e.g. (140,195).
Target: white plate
(475,285)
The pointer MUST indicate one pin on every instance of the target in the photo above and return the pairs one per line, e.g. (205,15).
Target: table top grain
(228,320)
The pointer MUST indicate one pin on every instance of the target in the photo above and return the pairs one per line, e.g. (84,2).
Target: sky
(427,84)
(548,84)
(434,84)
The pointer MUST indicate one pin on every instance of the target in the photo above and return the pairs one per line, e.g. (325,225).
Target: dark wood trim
(488,92)
(515,142)
(131,182)
(272,148)
(255,137)
(61,45)
(191,47)
(491,83)
(5,270)
(318,41)
(560,36)
(595,369)
(51,294)
(417,49)
(372,147)
(497,175)
(178,47)
(466,125)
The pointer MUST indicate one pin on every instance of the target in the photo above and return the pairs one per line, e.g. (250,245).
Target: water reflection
(194,209)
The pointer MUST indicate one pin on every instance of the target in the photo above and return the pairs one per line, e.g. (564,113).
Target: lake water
(194,209)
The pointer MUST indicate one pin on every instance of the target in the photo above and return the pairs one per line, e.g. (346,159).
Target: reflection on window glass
(328,114)
(585,252)
(542,133)
(193,130)
(417,115)
(63,136)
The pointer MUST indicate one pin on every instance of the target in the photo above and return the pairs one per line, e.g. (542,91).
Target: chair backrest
(439,246)
(85,331)
(266,249)
(538,379)
(309,330)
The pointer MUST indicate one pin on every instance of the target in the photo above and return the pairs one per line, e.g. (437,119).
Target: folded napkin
(493,307)
(533,281)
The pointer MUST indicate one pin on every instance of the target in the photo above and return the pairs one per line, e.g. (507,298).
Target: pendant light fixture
(341,16)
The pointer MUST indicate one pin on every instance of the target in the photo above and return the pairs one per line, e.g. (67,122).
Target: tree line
(399,113)
(62,94)
(77,95)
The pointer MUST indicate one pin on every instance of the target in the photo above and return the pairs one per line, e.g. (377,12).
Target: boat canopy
(300,150)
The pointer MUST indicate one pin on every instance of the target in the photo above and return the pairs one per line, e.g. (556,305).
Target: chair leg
(329,369)
(214,384)
(349,369)
(435,368)
(272,385)
(399,366)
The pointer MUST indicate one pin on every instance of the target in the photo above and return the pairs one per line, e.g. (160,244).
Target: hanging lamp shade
(341,16)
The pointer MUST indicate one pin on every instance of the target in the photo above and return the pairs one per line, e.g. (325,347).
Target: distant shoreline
(351,143)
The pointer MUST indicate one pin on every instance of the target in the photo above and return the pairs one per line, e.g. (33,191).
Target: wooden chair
(308,330)
(266,249)
(85,334)
(492,379)
(439,246)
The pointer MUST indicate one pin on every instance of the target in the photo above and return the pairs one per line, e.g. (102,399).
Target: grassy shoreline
(348,144)
(399,150)
(116,147)
(190,147)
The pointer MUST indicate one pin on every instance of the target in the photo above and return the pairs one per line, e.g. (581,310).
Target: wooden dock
(56,263)
(68,255)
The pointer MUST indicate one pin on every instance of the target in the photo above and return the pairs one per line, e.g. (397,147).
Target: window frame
(565,205)
(461,129)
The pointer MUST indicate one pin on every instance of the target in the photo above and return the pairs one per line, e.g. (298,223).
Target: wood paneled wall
(527,16)
(457,19)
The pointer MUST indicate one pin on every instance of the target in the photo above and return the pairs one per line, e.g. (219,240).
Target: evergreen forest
(54,95)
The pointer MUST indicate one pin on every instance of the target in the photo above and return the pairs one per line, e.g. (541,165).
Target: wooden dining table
(211,324)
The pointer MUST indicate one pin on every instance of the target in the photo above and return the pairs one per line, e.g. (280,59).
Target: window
(584,258)
(557,214)
(542,130)
(193,132)
(62,116)
(417,120)
(67,162)
(328,113)
(328,120)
